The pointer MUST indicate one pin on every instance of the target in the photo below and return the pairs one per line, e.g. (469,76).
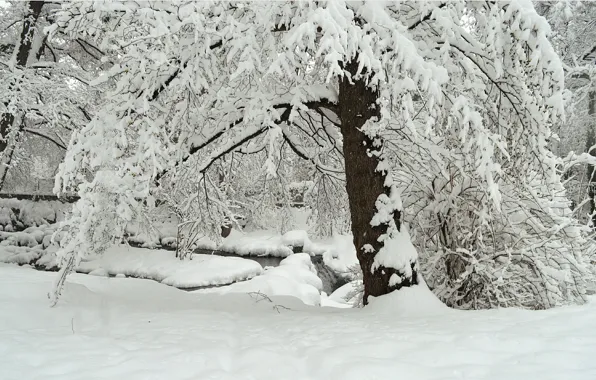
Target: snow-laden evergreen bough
(372,95)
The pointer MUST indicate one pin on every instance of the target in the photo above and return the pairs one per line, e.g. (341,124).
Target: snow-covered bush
(531,252)
(574,34)
(17,215)
(527,249)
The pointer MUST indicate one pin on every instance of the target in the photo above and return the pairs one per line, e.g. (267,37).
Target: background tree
(44,92)
(574,33)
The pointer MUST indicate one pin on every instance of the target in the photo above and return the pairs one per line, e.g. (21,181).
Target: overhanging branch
(175,74)
(194,149)
(313,105)
(426,17)
(305,156)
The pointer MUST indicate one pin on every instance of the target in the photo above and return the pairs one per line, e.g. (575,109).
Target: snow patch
(410,301)
(163,266)
(100,272)
(397,252)
(261,243)
(346,294)
(296,276)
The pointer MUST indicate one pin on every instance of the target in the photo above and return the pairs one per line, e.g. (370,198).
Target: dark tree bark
(364,184)
(7,119)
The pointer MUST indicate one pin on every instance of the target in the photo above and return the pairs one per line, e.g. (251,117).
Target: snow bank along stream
(266,261)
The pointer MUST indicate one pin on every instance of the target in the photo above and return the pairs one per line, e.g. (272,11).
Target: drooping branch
(235,145)
(48,45)
(496,83)
(216,45)
(46,137)
(86,50)
(85,113)
(82,42)
(175,74)
(426,17)
(321,103)
(196,148)
(590,55)
(231,147)
(300,152)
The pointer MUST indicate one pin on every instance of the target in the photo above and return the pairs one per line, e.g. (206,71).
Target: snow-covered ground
(35,222)
(296,276)
(116,328)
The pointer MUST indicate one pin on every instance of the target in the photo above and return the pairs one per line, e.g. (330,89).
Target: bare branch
(322,103)
(175,74)
(425,18)
(78,41)
(44,136)
(81,41)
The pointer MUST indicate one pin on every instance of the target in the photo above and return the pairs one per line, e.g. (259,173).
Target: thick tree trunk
(357,105)
(7,119)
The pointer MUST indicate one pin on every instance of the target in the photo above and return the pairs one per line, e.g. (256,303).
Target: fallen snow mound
(412,301)
(338,252)
(163,266)
(346,294)
(258,243)
(296,276)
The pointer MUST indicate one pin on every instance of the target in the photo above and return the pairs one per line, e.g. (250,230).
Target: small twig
(256,295)
(277,307)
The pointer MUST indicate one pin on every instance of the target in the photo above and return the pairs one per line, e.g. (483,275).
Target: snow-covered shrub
(528,250)
(573,36)
(353,292)
(17,215)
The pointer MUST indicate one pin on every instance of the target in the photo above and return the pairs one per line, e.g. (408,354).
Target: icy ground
(115,328)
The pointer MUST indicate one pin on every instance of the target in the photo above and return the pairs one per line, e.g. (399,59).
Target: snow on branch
(235,139)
